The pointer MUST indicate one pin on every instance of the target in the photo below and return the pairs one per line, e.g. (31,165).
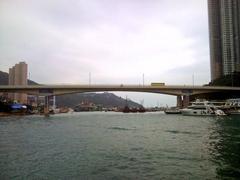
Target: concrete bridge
(162,89)
(183,92)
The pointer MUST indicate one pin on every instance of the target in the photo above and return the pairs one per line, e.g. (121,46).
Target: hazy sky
(116,40)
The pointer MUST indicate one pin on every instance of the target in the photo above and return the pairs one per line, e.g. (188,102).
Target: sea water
(106,145)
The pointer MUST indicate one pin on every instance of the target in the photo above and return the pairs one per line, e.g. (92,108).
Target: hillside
(3,78)
(104,99)
(71,100)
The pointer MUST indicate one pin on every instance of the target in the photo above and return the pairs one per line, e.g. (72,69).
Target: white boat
(172,111)
(234,112)
(202,108)
(233,106)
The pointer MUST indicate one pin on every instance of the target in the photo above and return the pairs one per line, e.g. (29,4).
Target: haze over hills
(71,100)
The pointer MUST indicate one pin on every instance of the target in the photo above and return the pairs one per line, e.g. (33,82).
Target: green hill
(104,99)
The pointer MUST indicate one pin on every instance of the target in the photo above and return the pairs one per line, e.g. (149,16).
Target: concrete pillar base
(179,102)
(46,107)
(186,101)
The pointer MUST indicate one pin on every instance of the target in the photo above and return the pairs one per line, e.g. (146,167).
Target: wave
(122,129)
(180,132)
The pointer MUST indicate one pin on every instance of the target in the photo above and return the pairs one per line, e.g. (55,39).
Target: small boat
(141,109)
(219,112)
(172,111)
(126,109)
(202,108)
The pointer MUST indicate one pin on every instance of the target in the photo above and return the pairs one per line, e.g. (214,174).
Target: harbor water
(105,145)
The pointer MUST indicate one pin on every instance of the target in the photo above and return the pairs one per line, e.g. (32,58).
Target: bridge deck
(166,89)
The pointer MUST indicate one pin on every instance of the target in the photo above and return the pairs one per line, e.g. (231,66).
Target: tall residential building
(224,33)
(18,76)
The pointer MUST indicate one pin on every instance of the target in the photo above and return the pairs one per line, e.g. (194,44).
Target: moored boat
(172,111)
(202,108)
(127,109)
(233,106)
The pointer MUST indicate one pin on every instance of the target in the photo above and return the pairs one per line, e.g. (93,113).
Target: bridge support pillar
(46,106)
(186,101)
(179,102)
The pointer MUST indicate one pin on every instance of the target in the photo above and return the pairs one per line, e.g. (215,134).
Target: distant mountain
(4,79)
(104,99)
(71,100)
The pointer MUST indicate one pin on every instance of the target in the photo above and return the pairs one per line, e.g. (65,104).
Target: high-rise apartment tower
(224,33)
(18,76)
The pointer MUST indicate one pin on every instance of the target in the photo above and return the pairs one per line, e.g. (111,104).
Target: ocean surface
(107,145)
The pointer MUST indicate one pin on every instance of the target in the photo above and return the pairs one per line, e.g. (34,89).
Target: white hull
(203,108)
(237,112)
(196,112)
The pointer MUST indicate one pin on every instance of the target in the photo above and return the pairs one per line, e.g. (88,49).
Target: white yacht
(233,106)
(202,108)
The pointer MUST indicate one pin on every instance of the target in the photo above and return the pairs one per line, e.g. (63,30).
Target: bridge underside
(184,93)
(216,95)
(189,92)
(46,91)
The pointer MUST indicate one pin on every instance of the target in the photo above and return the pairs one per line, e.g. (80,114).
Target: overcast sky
(116,40)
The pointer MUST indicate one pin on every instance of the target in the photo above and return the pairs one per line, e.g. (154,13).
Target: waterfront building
(18,76)
(224,34)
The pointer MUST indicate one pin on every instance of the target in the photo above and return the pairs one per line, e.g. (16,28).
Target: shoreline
(4,114)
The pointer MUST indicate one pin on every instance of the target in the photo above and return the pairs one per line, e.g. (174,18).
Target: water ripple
(117,146)
(122,128)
